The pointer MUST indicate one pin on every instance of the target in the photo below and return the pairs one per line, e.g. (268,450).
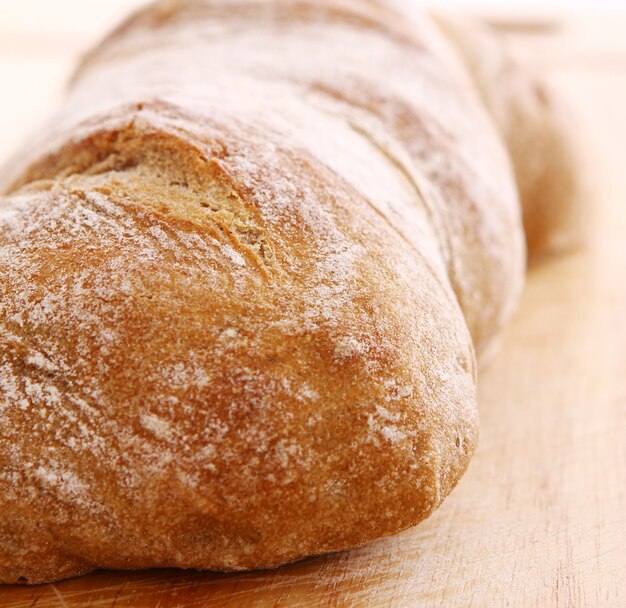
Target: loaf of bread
(537,129)
(245,273)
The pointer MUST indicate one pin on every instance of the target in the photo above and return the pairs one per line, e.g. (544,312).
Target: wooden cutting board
(540,517)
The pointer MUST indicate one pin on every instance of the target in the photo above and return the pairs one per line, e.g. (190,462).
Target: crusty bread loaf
(537,128)
(245,272)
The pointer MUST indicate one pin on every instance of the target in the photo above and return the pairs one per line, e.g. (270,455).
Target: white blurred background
(41,40)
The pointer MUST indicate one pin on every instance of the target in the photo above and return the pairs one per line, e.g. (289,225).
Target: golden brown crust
(238,275)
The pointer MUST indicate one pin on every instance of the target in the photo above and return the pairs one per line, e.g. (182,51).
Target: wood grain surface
(540,517)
